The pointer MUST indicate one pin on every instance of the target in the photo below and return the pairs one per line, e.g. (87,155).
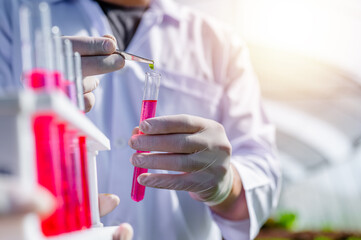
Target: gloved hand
(97,58)
(15,200)
(194,146)
(107,203)
(20,201)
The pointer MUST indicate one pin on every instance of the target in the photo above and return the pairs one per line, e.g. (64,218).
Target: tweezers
(128,56)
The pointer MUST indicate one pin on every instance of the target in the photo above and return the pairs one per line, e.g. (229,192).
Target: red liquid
(58,80)
(148,111)
(40,79)
(71,179)
(48,170)
(67,180)
(70,90)
(76,186)
(60,161)
(85,186)
(47,154)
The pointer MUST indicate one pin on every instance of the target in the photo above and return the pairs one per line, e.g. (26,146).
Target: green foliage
(327,228)
(274,238)
(322,238)
(284,220)
(287,220)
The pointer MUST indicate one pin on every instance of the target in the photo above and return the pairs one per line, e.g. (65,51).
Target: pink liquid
(58,80)
(41,79)
(70,90)
(148,111)
(76,186)
(47,154)
(84,176)
(67,180)
(48,170)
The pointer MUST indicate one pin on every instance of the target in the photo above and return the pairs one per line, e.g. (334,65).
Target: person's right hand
(97,58)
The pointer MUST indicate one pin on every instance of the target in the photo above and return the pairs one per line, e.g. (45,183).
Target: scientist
(214,144)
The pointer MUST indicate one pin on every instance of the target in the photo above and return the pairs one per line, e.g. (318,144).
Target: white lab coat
(206,73)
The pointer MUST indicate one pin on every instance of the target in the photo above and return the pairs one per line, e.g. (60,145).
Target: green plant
(286,220)
(327,227)
(322,238)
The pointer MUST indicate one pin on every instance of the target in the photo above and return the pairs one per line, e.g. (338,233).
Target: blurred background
(307,54)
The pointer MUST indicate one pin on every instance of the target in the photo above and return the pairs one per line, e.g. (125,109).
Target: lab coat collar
(168,9)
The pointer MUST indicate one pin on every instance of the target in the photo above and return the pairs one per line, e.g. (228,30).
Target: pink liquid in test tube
(84,177)
(149,104)
(76,186)
(49,173)
(67,179)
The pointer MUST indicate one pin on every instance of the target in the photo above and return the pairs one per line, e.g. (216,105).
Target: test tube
(26,42)
(41,76)
(69,83)
(58,58)
(76,183)
(68,180)
(85,183)
(36,46)
(149,104)
(79,81)
(82,142)
(47,43)
(37,66)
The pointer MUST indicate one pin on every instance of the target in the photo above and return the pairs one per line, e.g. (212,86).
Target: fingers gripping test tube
(150,98)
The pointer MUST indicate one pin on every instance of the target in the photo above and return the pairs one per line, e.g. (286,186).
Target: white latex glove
(15,200)
(107,203)
(194,146)
(20,201)
(97,58)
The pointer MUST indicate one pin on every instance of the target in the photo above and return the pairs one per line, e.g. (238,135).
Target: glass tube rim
(153,74)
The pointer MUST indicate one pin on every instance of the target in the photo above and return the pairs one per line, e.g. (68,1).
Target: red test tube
(37,68)
(149,104)
(85,204)
(72,162)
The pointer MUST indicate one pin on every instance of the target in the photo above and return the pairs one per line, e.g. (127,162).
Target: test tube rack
(18,166)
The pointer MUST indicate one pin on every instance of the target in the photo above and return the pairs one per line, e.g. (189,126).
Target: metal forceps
(128,56)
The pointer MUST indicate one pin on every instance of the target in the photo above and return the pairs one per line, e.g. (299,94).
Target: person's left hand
(197,147)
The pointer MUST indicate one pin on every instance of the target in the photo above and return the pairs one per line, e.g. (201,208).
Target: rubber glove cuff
(223,191)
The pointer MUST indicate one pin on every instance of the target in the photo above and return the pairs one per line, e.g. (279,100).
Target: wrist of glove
(223,190)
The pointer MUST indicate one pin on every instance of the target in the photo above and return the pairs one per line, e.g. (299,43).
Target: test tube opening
(151,87)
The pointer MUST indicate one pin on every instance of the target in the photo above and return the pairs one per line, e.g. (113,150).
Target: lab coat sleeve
(5,43)
(253,149)
(10,54)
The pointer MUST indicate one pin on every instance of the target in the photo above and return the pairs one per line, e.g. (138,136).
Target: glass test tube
(85,184)
(79,81)
(72,161)
(27,50)
(82,142)
(37,67)
(75,185)
(58,58)
(69,83)
(149,104)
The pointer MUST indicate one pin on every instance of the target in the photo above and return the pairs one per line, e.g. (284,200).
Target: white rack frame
(17,162)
